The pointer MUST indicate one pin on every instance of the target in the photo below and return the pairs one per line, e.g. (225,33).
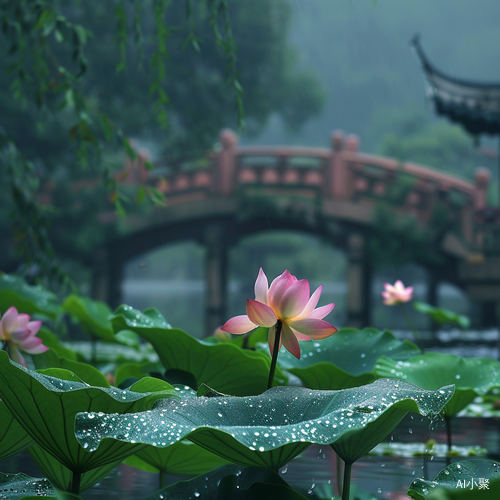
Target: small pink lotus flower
(19,333)
(396,294)
(286,300)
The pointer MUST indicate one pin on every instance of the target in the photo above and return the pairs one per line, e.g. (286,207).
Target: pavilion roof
(475,105)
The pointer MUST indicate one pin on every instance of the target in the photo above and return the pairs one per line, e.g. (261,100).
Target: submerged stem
(276,350)
(346,487)
(416,335)
(75,483)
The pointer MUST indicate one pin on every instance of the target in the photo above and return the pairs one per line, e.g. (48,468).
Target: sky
(360,50)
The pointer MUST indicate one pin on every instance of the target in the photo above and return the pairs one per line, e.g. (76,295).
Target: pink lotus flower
(286,300)
(396,294)
(19,333)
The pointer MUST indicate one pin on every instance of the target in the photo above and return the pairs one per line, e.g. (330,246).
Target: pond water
(385,476)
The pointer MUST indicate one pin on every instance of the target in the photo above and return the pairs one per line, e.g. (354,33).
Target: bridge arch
(333,193)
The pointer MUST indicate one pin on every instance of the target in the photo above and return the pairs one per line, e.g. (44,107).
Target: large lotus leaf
(232,481)
(325,491)
(83,371)
(471,376)
(274,427)
(92,316)
(14,291)
(46,407)
(135,371)
(182,457)
(345,359)
(61,477)
(20,486)
(442,316)
(225,367)
(13,438)
(459,478)
(52,342)
(16,486)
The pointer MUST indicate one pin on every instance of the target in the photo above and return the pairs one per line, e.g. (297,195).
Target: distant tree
(416,137)
(78,79)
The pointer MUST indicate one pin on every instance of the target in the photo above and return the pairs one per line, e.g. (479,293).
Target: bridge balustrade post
(216,262)
(223,180)
(359,282)
(481,180)
(338,181)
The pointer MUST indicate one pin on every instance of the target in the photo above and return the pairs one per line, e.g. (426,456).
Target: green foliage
(267,430)
(396,241)
(61,477)
(68,118)
(92,315)
(57,350)
(438,145)
(14,291)
(346,359)
(13,438)
(441,315)
(17,486)
(445,485)
(42,404)
(232,481)
(183,457)
(472,376)
(49,360)
(179,351)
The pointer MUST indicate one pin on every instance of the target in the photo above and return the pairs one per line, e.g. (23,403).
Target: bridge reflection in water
(331,193)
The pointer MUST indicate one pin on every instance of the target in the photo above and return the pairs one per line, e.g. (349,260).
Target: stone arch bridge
(335,193)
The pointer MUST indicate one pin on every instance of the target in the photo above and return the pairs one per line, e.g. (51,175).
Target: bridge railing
(341,173)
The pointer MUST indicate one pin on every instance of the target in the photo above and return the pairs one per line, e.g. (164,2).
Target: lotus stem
(346,487)
(416,335)
(339,475)
(448,432)
(276,350)
(162,480)
(246,338)
(75,483)
(93,354)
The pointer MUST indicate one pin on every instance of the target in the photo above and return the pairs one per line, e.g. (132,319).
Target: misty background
(371,85)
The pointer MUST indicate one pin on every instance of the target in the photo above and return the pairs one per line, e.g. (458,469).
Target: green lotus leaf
(345,359)
(52,342)
(92,316)
(182,457)
(326,491)
(451,482)
(127,337)
(46,407)
(245,372)
(17,486)
(61,477)
(83,371)
(231,481)
(442,316)
(471,376)
(13,438)
(274,427)
(14,291)
(23,487)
